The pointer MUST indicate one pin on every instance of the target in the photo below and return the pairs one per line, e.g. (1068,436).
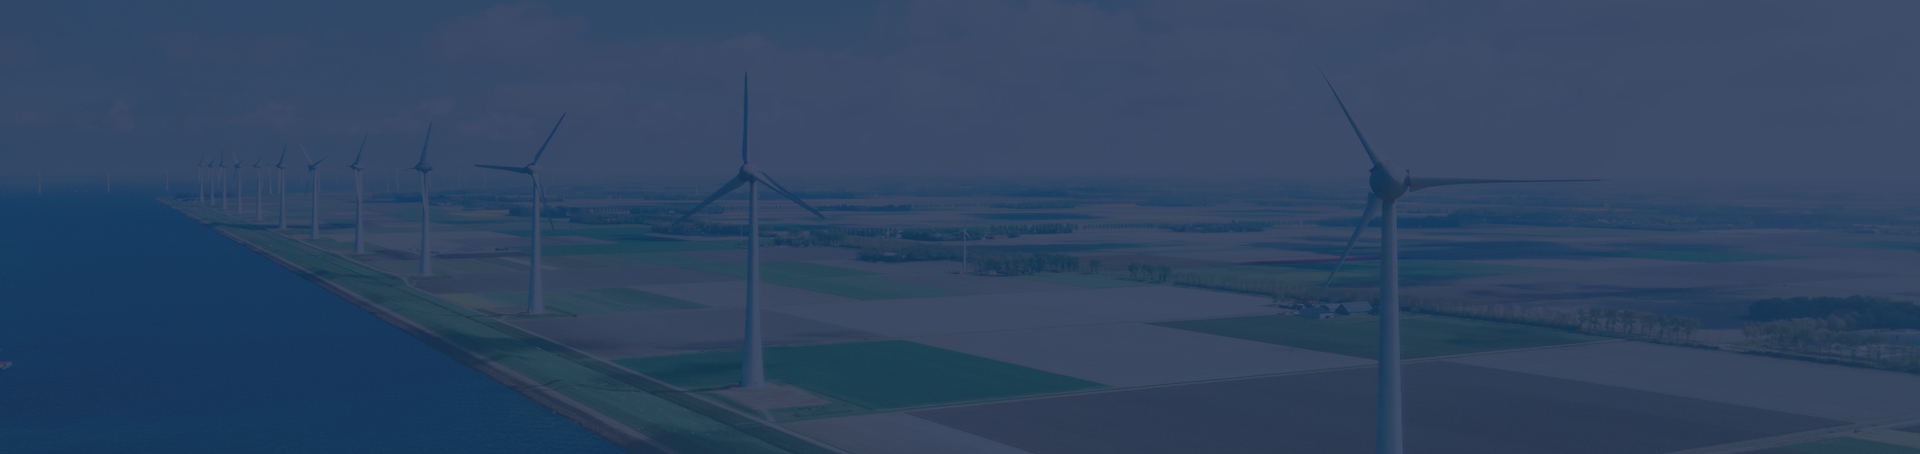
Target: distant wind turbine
(239,187)
(313,189)
(752,372)
(259,189)
(535,303)
(426,254)
(280,178)
(220,175)
(359,213)
(1389,183)
(200,176)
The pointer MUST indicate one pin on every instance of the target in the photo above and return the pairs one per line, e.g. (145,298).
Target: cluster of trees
(1219,227)
(906,251)
(1179,202)
(1011,231)
(903,207)
(1858,311)
(1410,222)
(1149,273)
(1636,323)
(1013,263)
(1043,205)
(1833,338)
(1682,217)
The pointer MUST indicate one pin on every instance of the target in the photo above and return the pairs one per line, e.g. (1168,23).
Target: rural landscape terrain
(1157,316)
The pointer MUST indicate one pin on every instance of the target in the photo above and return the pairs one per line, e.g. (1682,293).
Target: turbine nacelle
(422,167)
(531,169)
(1386,183)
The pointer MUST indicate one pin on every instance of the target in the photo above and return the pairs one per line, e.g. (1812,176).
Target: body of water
(135,329)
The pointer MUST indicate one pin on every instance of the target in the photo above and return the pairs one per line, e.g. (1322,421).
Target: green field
(875,375)
(610,233)
(830,280)
(1699,256)
(1421,336)
(1081,280)
(471,266)
(593,301)
(1844,445)
(638,247)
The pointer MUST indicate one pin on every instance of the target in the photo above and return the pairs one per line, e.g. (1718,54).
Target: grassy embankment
(662,414)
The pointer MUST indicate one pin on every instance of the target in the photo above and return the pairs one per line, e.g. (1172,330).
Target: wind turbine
(426,256)
(535,304)
(359,218)
(752,373)
(313,186)
(280,178)
(239,187)
(259,189)
(1389,183)
(220,175)
(200,176)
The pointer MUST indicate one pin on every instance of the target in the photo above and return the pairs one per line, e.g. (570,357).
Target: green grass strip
(675,419)
(878,375)
(1700,256)
(1081,280)
(1359,335)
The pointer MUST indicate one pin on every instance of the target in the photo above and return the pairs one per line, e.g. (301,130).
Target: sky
(1615,89)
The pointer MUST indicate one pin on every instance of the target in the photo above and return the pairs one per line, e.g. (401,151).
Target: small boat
(5,364)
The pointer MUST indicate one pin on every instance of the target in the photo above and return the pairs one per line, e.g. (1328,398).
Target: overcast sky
(1614,89)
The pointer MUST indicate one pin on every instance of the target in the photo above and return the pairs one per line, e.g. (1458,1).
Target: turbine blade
(744,96)
(283,156)
(1373,204)
(543,145)
(1343,111)
(731,185)
(1415,184)
(768,179)
(423,146)
(362,152)
(303,153)
(509,169)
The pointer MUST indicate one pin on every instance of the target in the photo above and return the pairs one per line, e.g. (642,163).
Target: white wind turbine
(220,175)
(313,189)
(280,178)
(426,255)
(200,176)
(535,303)
(359,218)
(752,372)
(1389,183)
(239,187)
(259,189)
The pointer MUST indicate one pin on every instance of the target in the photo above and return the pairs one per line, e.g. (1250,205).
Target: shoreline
(622,435)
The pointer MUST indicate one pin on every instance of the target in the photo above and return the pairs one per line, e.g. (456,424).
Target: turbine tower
(239,187)
(200,176)
(426,255)
(280,178)
(1388,184)
(359,219)
(220,175)
(259,189)
(535,303)
(313,189)
(752,373)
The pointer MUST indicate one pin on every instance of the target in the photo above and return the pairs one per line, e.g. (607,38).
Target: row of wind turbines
(1387,183)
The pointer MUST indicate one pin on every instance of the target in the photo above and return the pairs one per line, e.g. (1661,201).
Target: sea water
(133,328)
